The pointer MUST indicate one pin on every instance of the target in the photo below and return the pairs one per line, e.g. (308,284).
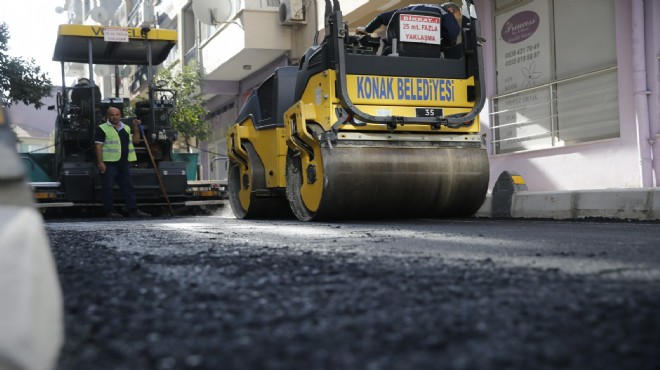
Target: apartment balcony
(232,52)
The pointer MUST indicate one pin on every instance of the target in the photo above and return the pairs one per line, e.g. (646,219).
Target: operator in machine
(449,27)
(114,151)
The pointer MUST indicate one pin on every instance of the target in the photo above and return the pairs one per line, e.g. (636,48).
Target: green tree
(187,117)
(20,79)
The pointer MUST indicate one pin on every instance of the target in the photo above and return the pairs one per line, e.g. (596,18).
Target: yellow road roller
(365,128)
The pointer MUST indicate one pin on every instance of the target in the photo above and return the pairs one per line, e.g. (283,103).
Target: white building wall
(610,163)
(652,19)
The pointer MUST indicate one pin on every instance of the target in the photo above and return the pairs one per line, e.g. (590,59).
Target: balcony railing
(191,56)
(260,4)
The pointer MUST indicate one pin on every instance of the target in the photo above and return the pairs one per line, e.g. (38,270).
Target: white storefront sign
(523,62)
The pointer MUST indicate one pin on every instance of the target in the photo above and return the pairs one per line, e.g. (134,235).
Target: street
(213,292)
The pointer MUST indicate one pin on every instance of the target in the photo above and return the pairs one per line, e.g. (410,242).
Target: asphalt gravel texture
(143,298)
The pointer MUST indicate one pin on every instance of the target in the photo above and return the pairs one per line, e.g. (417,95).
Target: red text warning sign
(419,28)
(118,34)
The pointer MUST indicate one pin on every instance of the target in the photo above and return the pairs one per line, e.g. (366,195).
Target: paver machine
(160,176)
(360,131)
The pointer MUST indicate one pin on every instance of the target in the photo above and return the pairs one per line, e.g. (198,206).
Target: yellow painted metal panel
(408,91)
(75,41)
(82,30)
(518,180)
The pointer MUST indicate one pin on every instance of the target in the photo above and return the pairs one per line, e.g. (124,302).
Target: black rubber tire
(293,185)
(267,205)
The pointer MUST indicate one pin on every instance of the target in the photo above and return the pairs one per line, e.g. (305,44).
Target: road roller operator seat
(81,94)
(86,101)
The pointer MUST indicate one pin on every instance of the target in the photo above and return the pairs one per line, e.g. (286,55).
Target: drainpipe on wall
(642,121)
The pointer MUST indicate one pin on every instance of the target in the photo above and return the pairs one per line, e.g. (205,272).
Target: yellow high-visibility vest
(112,144)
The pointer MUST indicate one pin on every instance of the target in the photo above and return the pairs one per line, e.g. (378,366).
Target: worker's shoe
(138,213)
(113,214)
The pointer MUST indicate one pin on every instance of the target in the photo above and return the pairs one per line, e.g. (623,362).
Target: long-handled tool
(157,170)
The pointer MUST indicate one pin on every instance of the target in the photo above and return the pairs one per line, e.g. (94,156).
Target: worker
(462,20)
(449,28)
(114,151)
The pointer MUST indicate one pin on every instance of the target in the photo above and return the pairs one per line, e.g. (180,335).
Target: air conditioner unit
(144,15)
(292,12)
(148,14)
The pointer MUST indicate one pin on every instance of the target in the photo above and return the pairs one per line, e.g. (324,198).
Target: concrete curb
(636,204)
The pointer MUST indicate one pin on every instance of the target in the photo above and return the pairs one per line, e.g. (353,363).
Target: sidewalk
(510,198)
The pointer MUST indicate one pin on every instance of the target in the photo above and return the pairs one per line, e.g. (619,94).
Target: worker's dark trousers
(120,173)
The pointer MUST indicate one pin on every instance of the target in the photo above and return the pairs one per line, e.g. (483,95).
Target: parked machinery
(160,176)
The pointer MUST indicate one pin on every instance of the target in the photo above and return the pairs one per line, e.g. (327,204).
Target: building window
(556,74)
(189,25)
(206,31)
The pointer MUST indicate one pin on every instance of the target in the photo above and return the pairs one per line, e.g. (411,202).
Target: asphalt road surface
(219,293)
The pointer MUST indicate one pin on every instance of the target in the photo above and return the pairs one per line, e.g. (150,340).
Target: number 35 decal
(428,112)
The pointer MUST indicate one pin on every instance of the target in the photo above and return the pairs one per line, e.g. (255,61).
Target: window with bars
(556,74)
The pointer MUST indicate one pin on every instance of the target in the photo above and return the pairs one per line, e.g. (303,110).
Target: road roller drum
(390,182)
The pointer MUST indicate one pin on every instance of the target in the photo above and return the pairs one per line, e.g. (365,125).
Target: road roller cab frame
(354,133)
(69,177)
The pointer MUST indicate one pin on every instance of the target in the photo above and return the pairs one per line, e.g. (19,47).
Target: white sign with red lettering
(419,28)
(115,34)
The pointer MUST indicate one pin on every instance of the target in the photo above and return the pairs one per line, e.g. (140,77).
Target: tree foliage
(188,116)
(21,80)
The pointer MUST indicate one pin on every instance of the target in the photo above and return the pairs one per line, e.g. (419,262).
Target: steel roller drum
(395,182)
